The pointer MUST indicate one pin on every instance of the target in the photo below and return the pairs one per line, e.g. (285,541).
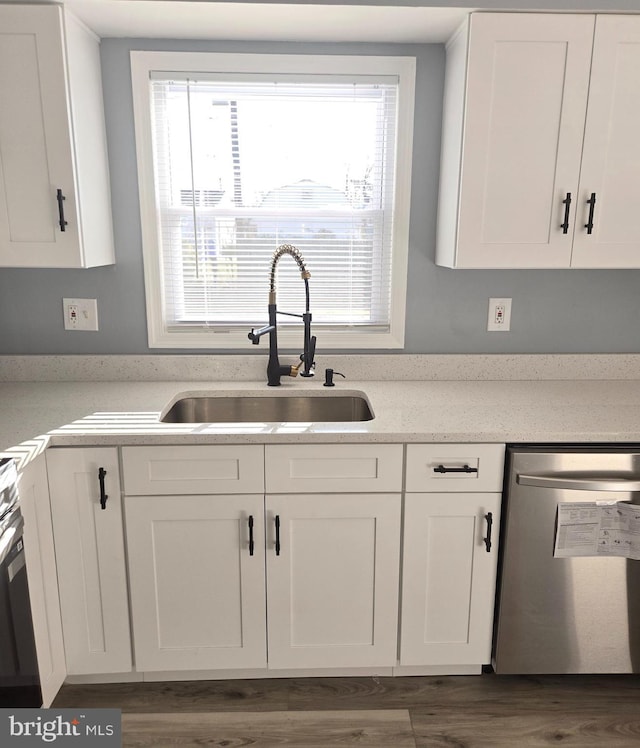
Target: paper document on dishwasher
(598,528)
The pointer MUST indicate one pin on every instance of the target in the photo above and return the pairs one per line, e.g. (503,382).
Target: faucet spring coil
(287,249)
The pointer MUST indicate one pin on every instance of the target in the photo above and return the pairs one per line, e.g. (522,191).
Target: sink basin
(268,408)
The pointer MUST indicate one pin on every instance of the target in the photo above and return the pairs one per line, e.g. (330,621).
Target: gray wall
(553,311)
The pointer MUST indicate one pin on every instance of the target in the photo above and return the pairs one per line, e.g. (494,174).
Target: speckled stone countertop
(34,415)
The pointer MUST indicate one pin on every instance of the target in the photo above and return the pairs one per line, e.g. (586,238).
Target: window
(238,154)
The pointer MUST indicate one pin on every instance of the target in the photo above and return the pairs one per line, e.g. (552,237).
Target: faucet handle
(312,351)
(307,358)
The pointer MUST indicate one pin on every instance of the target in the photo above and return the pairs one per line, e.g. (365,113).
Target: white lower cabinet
(196,571)
(43,581)
(289,574)
(449,578)
(197,579)
(90,558)
(450,555)
(333,554)
(332,580)
(227,580)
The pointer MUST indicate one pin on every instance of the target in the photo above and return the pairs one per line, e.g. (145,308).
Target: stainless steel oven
(19,680)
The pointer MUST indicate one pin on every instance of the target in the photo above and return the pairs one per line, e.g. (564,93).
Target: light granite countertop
(34,415)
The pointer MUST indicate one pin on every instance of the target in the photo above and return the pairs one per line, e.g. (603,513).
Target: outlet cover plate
(499,318)
(80,314)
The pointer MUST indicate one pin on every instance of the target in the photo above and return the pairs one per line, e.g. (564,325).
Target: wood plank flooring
(484,711)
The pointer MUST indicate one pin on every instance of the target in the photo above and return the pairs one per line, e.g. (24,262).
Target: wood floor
(486,711)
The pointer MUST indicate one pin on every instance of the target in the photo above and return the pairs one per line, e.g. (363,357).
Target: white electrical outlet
(80,314)
(499,315)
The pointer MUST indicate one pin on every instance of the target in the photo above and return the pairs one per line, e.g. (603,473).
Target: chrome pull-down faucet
(275,370)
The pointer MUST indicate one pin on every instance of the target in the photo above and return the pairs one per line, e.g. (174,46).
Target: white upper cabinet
(531,131)
(55,207)
(611,155)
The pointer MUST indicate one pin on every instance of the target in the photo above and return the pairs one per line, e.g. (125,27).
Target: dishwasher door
(565,615)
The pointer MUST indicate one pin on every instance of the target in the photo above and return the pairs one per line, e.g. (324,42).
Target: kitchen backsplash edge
(380,367)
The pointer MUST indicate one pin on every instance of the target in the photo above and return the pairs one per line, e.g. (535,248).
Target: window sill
(287,340)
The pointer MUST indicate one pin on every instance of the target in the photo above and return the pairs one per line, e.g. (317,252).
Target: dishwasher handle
(579,484)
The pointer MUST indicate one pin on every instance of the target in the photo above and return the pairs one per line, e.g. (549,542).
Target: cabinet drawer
(455,467)
(342,468)
(193,470)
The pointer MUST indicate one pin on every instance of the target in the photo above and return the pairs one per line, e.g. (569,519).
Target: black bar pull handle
(251,543)
(591,202)
(487,540)
(567,207)
(463,469)
(277,534)
(103,496)
(61,198)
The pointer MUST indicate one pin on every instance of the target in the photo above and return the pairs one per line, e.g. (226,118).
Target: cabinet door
(448,578)
(89,545)
(43,580)
(35,140)
(332,580)
(515,105)
(45,148)
(197,582)
(611,155)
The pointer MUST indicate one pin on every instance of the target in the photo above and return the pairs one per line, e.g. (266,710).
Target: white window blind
(242,162)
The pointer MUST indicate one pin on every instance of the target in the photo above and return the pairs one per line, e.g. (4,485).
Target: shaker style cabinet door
(89,540)
(43,580)
(448,578)
(515,101)
(332,580)
(54,183)
(607,231)
(196,566)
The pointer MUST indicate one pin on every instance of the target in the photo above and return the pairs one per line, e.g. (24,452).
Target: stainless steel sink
(268,408)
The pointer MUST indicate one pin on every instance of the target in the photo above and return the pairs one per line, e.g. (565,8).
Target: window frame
(143,63)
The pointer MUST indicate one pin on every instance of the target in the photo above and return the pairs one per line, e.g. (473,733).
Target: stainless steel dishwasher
(565,615)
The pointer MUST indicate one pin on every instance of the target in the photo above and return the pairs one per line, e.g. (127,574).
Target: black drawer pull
(487,540)
(251,543)
(591,202)
(567,207)
(463,469)
(103,496)
(61,198)
(277,534)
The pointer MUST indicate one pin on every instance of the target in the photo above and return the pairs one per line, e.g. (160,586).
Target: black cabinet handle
(277,534)
(591,202)
(103,496)
(567,207)
(463,469)
(487,540)
(251,544)
(61,198)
